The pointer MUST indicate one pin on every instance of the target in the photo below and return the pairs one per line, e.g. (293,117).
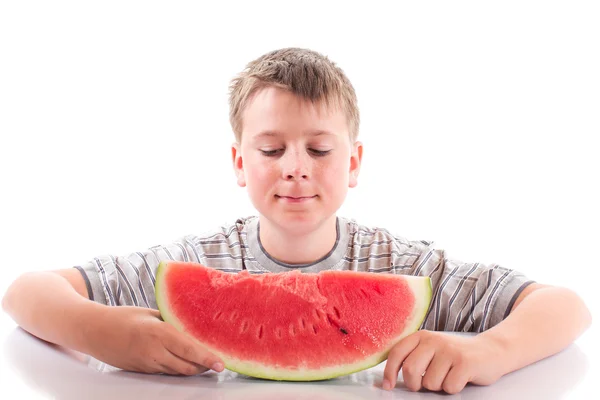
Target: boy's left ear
(355,161)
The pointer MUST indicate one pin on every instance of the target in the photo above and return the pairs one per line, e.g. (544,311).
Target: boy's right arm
(54,306)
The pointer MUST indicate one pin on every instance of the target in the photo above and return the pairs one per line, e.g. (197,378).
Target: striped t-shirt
(467,297)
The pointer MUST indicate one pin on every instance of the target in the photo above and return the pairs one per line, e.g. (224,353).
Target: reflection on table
(64,374)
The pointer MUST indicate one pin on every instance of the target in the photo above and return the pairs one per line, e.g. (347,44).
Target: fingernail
(217,366)
(386,385)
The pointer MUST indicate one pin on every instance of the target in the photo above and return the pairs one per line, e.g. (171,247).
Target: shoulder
(231,230)
(371,234)
(373,248)
(228,238)
(224,247)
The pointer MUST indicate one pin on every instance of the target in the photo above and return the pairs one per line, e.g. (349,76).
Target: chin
(296,218)
(296,222)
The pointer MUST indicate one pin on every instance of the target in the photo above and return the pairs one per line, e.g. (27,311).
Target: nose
(295,165)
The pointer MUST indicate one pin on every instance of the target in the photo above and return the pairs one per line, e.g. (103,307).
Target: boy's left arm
(543,321)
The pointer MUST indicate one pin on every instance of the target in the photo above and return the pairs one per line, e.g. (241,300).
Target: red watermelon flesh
(293,325)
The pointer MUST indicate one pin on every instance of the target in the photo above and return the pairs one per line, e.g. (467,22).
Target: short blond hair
(306,73)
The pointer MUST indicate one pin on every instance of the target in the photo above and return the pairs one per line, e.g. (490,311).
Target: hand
(438,361)
(136,339)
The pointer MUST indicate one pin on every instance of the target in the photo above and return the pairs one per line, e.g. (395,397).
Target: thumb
(156,314)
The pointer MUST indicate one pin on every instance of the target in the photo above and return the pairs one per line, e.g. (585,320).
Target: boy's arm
(132,338)
(543,321)
(51,306)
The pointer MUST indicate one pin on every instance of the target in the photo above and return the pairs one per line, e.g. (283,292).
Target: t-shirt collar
(332,260)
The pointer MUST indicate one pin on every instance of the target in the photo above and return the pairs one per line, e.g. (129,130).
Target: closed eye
(270,153)
(320,152)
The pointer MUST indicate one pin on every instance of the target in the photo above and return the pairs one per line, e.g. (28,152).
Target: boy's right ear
(238,164)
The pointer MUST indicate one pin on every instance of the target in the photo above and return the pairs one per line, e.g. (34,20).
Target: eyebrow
(317,132)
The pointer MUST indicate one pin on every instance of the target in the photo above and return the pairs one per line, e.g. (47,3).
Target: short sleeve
(129,280)
(467,297)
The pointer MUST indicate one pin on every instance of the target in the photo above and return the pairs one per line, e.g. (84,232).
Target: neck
(298,248)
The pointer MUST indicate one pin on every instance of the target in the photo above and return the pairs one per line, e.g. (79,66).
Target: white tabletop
(32,368)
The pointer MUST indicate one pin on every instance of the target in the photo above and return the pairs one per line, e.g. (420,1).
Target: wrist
(497,348)
(87,325)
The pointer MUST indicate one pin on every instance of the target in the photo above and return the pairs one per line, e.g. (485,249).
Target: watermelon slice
(292,326)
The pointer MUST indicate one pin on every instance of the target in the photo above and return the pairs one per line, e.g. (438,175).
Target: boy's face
(295,159)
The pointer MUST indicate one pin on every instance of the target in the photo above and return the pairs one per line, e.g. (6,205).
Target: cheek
(336,171)
(261,173)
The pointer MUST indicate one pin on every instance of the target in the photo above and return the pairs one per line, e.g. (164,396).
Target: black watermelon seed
(344,331)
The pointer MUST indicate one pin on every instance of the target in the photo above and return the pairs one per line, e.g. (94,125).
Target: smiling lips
(295,199)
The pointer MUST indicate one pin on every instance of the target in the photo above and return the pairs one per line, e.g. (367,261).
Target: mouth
(295,198)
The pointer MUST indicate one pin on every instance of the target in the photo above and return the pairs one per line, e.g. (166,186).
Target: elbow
(5,302)
(588,317)
(8,299)
(584,312)
(571,306)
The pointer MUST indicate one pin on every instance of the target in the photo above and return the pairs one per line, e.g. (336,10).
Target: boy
(296,120)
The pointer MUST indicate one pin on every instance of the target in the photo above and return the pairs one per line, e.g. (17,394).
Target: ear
(238,163)
(355,161)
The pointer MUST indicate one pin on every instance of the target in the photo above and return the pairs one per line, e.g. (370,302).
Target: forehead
(274,134)
(273,112)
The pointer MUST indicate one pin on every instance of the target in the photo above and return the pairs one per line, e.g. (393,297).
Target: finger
(436,372)
(187,349)
(456,380)
(154,313)
(395,358)
(158,315)
(168,371)
(415,365)
(158,364)
(174,365)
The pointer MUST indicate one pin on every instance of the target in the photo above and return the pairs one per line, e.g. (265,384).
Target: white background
(478,121)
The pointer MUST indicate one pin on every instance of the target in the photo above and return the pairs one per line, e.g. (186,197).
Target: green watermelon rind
(423,293)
